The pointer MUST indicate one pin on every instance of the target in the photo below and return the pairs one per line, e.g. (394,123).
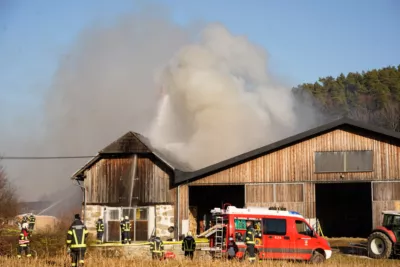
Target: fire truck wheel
(379,246)
(317,258)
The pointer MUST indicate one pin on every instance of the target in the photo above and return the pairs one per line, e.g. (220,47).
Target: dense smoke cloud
(220,101)
(103,87)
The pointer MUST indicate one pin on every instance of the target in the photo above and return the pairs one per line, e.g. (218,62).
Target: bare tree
(8,198)
(360,114)
(389,116)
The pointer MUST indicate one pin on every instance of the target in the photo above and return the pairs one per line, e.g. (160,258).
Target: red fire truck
(280,234)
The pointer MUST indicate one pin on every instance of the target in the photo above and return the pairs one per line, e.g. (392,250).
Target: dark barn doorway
(205,198)
(344,209)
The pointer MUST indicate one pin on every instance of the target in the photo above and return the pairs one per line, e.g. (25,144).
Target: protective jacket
(32,219)
(188,244)
(100,226)
(126,226)
(156,245)
(23,239)
(77,235)
(250,235)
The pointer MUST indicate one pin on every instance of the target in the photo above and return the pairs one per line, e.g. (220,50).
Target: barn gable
(129,143)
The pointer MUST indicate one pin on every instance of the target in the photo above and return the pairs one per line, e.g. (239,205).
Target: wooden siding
(298,197)
(296,163)
(109,182)
(258,194)
(385,196)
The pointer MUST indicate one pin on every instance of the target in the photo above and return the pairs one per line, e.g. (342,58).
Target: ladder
(219,236)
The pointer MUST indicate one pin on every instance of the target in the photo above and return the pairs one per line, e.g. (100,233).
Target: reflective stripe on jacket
(250,235)
(77,235)
(188,244)
(157,246)
(32,219)
(23,240)
(100,226)
(126,227)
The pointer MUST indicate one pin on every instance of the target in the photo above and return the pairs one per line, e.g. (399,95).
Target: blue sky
(305,39)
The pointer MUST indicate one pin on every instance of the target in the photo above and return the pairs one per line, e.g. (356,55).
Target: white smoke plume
(220,101)
(103,87)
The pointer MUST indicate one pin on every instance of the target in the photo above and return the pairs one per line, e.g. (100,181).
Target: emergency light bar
(255,211)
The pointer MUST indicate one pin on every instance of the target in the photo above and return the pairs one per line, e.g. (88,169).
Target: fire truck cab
(280,234)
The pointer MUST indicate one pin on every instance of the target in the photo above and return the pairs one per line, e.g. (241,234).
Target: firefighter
(121,226)
(24,243)
(232,248)
(100,230)
(250,241)
(156,248)
(76,241)
(24,219)
(126,230)
(32,221)
(189,245)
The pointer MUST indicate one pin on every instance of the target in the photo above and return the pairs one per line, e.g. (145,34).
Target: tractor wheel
(317,258)
(379,246)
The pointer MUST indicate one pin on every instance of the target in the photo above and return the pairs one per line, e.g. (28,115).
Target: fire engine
(280,234)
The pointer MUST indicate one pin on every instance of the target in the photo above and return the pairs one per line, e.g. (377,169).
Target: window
(344,161)
(303,229)
(274,226)
(240,224)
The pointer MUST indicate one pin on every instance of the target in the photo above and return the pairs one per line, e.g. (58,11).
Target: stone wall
(164,219)
(93,212)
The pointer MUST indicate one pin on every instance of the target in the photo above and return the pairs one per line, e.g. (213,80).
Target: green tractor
(384,241)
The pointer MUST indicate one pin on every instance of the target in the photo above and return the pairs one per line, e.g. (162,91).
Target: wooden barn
(344,173)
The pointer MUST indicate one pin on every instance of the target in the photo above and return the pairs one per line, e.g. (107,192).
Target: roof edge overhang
(181,178)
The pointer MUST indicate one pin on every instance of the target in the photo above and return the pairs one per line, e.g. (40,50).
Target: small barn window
(344,161)
(329,161)
(359,161)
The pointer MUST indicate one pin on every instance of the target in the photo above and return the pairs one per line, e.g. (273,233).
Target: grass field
(336,260)
(342,256)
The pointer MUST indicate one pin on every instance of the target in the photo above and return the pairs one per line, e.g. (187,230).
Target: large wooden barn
(344,173)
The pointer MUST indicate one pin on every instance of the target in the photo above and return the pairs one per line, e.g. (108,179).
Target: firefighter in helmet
(31,222)
(24,243)
(126,230)
(250,241)
(100,230)
(76,241)
(156,248)
(189,245)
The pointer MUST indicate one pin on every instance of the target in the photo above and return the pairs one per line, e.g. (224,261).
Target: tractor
(384,241)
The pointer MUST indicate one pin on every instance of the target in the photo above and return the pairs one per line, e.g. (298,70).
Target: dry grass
(97,261)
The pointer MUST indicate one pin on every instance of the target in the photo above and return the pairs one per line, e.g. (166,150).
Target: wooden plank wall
(103,180)
(385,196)
(296,163)
(297,197)
(109,182)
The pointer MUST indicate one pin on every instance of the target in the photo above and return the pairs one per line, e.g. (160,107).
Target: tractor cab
(383,242)
(391,221)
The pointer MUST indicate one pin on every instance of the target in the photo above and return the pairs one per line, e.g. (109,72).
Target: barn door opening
(344,209)
(204,198)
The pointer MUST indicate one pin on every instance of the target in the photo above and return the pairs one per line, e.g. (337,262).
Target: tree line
(371,96)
